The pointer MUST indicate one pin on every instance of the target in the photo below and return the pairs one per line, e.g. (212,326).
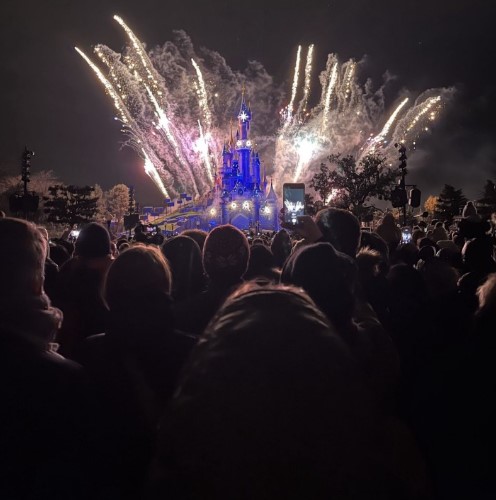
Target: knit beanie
(225,254)
(93,242)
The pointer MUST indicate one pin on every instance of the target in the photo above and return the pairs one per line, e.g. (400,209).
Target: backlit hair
(487,293)
(22,258)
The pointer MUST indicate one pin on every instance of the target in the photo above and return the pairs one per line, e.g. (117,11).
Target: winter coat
(134,368)
(46,445)
(389,231)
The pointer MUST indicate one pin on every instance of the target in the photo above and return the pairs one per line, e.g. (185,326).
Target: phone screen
(294,202)
(406,235)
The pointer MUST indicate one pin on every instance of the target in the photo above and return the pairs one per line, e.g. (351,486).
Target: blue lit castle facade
(241,194)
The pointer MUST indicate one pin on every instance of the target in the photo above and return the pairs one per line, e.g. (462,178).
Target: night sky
(52,102)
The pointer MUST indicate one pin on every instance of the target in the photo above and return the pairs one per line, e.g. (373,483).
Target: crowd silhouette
(323,362)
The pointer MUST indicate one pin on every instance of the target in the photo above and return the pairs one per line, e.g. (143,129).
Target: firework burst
(175,106)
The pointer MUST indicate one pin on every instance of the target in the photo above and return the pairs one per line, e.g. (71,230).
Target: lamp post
(402,159)
(26,202)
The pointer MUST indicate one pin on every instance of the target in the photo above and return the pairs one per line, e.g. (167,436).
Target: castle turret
(272,197)
(226,157)
(255,168)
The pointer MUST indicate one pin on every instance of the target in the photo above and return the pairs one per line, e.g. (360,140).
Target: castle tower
(243,142)
(243,197)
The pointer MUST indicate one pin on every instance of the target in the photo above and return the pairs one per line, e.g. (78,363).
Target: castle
(241,196)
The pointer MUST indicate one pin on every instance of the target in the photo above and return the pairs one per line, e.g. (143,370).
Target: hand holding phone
(307,228)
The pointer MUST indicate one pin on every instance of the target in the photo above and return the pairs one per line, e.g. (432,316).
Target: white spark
(203,96)
(327,103)
(152,172)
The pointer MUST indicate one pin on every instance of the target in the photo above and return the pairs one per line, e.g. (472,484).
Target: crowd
(322,362)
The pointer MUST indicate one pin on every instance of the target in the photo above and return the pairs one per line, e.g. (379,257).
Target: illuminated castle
(240,194)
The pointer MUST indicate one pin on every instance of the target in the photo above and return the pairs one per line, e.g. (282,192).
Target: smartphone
(294,202)
(406,235)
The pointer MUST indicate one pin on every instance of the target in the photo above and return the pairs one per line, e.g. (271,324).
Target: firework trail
(119,106)
(305,148)
(151,76)
(176,115)
(348,77)
(295,83)
(370,147)
(327,100)
(432,103)
(202,95)
(202,147)
(127,120)
(308,81)
(164,124)
(153,174)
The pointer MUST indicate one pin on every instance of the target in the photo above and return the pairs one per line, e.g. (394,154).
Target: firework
(327,100)
(376,141)
(421,110)
(151,76)
(152,172)
(202,95)
(308,81)
(295,83)
(348,78)
(119,105)
(202,147)
(305,147)
(176,113)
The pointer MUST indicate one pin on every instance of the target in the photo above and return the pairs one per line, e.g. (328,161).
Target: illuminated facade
(242,196)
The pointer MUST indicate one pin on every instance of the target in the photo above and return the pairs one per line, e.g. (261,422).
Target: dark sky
(52,103)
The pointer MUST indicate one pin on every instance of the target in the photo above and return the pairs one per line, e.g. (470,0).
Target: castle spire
(244,114)
(272,194)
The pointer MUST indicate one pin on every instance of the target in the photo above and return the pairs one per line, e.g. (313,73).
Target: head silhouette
(280,401)
(225,255)
(340,228)
(184,257)
(327,276)
(137,273)
(22,256)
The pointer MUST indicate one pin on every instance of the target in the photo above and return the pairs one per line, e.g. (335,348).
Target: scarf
(30,319)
